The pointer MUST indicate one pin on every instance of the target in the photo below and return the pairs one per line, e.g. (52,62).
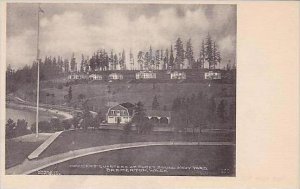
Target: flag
(41,10)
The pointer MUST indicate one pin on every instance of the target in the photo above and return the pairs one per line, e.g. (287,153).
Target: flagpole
(38,74)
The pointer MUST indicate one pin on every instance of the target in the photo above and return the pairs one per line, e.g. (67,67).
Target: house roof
(129,106)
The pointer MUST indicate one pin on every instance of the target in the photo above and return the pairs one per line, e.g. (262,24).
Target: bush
(44,127)
(56,125)
(16,129)
(21,128)
(66,124)
(10,127)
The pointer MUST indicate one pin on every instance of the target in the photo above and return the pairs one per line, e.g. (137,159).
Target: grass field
(16,152)
(157,160)
(74,140)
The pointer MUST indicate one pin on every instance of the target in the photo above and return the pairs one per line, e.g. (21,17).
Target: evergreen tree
(87,67)
(111,60)
(146,61)
(139,116)
(115,62)
(171,60)
(209,55)
(66,65)
(122,65)
(155,104)
(82,64)
(131,60)
(166,59)
(73,63)
(140,58)
(70,94)
(179,54)
(157,60)
(189,54)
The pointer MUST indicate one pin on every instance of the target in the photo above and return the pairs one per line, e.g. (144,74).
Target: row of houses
(174,75)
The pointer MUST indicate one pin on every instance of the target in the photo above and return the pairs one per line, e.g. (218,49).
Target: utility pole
(38,71)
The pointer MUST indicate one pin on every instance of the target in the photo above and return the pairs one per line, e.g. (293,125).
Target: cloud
(227,44)
(70,32)
(19,49)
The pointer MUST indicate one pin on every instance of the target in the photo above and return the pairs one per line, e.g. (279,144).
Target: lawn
(79,139)
(134,92)
(154,160)
(16,151)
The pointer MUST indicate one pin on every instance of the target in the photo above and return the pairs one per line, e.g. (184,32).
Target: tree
(56,125)
(171,60)
(189,53)
(122,62)
(139,117)
(73,63)
(70,94)
(179,54)
(202,55)
(81,97)
(209,57)
(99,117)
(66,124)
(155,104)
(166,60)
(140,57)
(66,65)
(87,118)
(44,126)
(10,127)
(82,66)
(157,59)
(146,61)
(21,127)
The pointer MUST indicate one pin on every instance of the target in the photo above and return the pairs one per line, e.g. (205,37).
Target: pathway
(30,166)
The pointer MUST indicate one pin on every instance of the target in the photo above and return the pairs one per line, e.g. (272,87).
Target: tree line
(198,111)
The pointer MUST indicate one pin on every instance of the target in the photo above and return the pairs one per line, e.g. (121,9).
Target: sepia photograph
(121,89)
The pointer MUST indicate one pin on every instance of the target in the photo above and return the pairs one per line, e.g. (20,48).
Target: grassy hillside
(98,94)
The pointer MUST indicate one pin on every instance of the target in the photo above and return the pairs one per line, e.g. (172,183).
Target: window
(112,112)
(118,111)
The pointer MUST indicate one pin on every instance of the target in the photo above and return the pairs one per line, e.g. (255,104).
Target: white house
(120,114)
(95,77)
(115,76)
(178,75)
(76,76)
(145,75)
(212,75)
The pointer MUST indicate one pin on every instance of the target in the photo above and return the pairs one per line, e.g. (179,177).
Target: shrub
(66,124)
(44,127)
(10,127)
(56,125)
(21,128)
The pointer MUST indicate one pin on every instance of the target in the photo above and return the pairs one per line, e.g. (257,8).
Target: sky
(85,28)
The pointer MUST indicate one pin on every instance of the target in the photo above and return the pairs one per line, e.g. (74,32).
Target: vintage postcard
(141,90)
(121,89)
